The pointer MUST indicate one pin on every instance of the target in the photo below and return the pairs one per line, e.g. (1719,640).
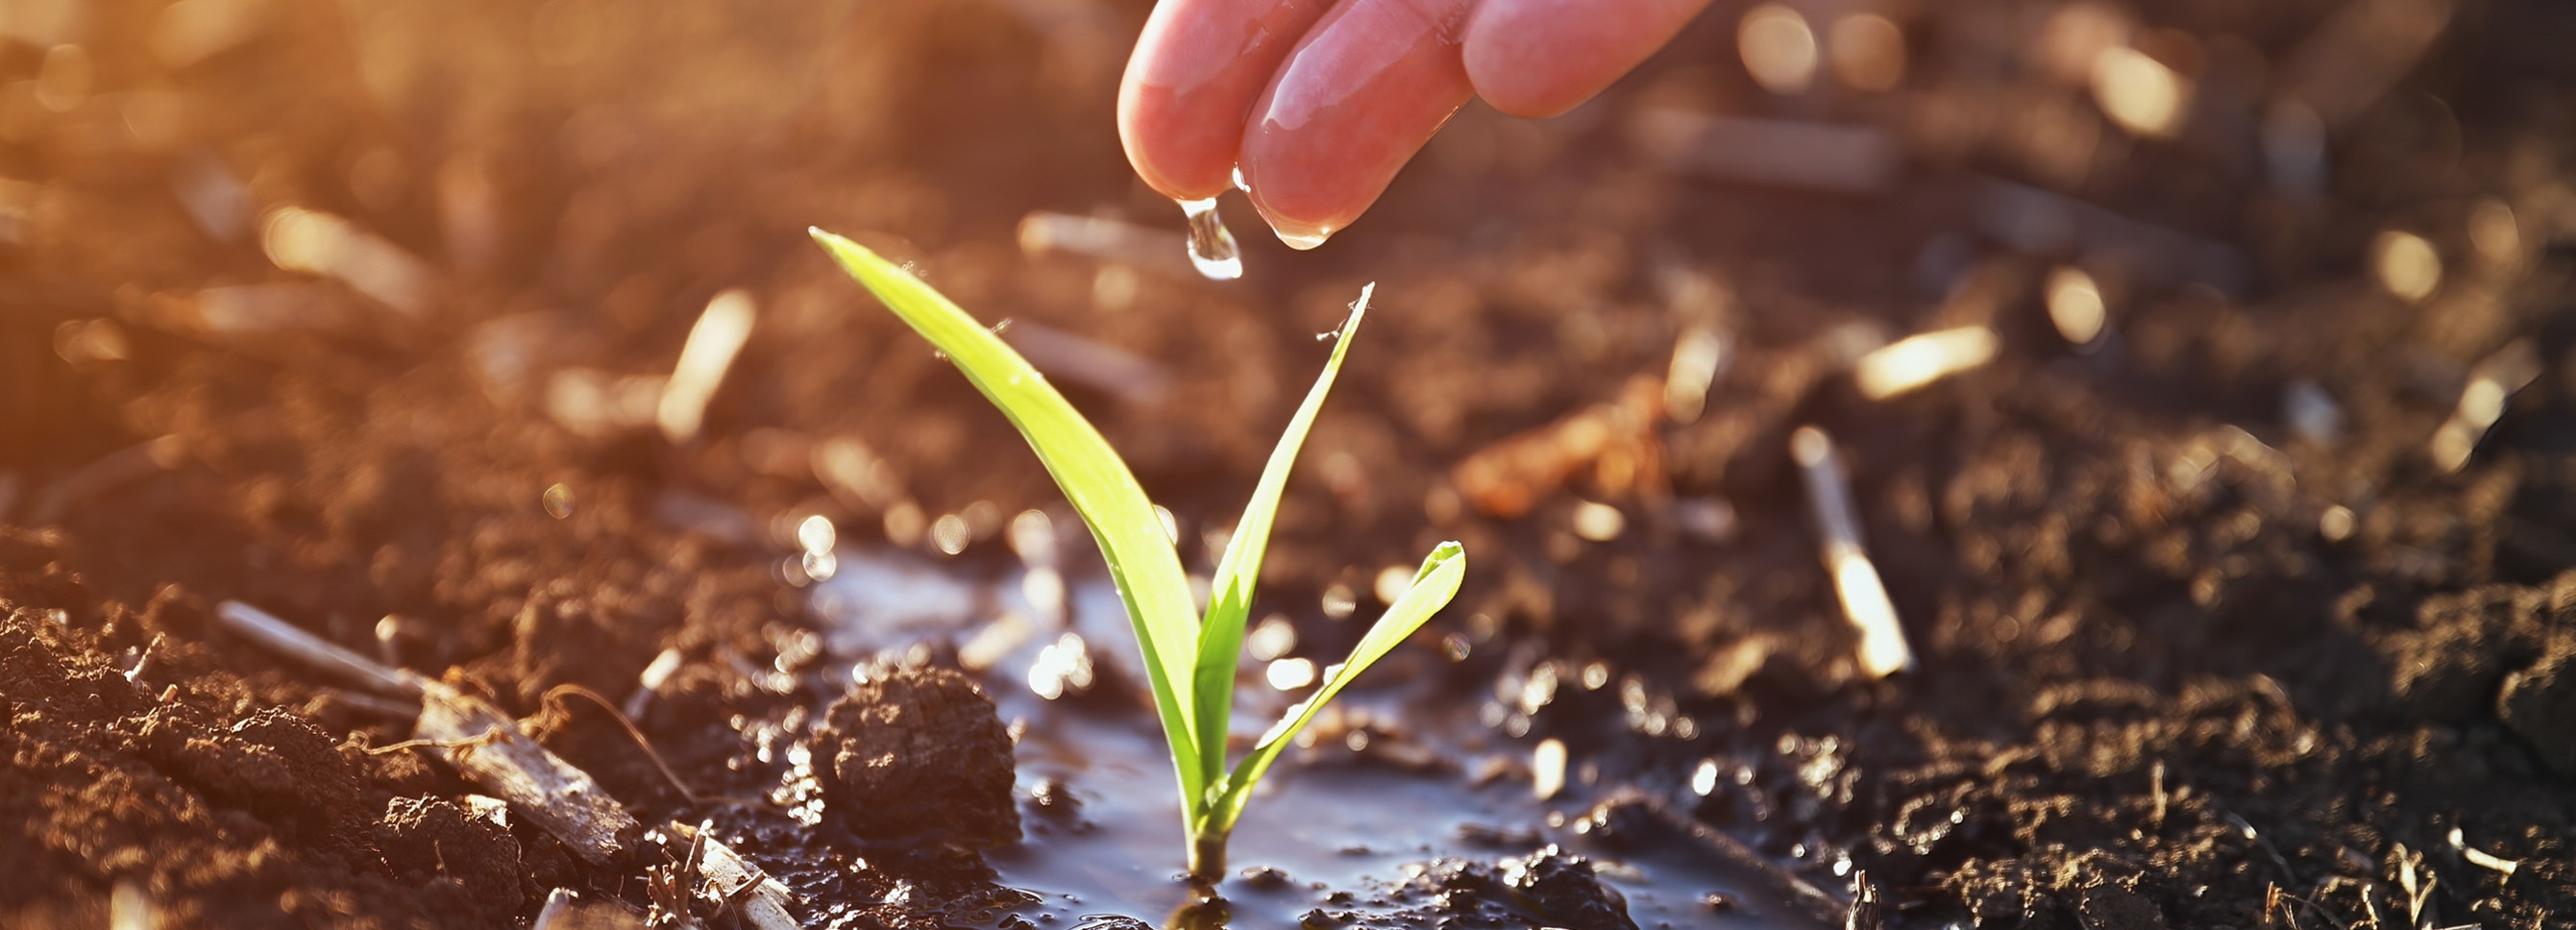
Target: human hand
(1320,102)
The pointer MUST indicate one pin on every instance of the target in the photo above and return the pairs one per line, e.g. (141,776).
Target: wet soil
(2194,649)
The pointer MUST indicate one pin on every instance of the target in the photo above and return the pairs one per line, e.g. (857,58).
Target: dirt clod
(432,839)
(1547,888)
(272,762)
(919,752)
(2106,906)
(2539,704)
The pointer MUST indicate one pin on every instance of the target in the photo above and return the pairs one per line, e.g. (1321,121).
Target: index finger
(1192,81)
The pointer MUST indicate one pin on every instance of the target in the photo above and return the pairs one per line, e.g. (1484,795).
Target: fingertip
(1172,163)
(1540,58)
(1347,110)
(1512,66)
(1165,132)
(1513,92)
(1195,72)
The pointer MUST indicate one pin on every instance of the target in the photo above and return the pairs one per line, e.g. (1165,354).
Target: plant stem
(1207,857)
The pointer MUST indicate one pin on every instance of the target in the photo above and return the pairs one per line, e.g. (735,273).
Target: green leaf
(1230,597)
(1433,586)
(1141,559)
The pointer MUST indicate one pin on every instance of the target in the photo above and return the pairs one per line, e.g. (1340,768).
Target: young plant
(1189,662)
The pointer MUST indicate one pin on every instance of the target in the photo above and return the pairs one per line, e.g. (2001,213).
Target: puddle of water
(1343,827)
(878,599)
(1335,824)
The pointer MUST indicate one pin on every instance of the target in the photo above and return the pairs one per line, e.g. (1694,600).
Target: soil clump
(917,753)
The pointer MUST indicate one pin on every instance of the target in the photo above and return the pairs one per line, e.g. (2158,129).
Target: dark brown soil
(2182,664)
(915,752)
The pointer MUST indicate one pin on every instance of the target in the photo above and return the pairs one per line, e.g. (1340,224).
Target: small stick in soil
(466,743)
(2480,857)
(2370,895)
(1117,243)
(560,798)
(115,470)
(740,885)
(649,684)
(2283,900)
(1883,650)
(392,632)
(2247,829)
(713,343)
(669,886)
(1866,911)
(1915,361)
(482,743)
(2418,892)
(2156,776)
(265,629)
(142,663)
(365,703)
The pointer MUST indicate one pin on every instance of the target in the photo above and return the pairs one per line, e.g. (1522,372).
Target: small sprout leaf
(1433,586)
(1190,667)
(1230,601)
(1141,559)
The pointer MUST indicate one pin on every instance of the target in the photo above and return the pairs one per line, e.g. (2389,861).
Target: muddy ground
(2210,633)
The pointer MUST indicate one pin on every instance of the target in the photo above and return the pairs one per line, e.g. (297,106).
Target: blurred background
(2189,362)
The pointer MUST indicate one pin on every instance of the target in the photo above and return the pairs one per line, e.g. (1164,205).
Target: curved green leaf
(1433,586)
(1230,597)
(1097,482)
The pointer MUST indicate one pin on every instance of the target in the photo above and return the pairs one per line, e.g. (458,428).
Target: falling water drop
(1304,241)
(1211,246)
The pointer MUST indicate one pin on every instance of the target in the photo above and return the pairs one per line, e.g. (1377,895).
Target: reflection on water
(1342,825)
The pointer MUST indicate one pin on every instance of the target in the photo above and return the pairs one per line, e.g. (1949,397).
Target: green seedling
(1189,661)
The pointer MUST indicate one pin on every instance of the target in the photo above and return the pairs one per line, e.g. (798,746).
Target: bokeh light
(1778,48)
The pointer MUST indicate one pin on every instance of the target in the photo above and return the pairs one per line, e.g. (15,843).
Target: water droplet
(1212,248)
(1304,240)
(1239,183)
(558,501)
